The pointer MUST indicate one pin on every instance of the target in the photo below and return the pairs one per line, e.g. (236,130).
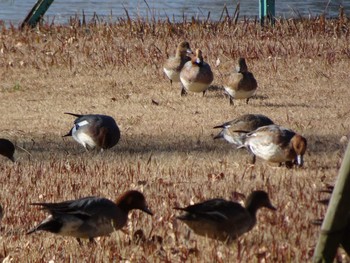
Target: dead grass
(167,149)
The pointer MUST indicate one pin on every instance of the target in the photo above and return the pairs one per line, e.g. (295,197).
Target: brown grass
(167,150)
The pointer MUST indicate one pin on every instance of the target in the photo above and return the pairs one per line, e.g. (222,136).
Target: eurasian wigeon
(241,84)
(95,131)
(196,75)
(277,144)
(90,217)
(7,149)
(173,65)
(233,130)
(225,220)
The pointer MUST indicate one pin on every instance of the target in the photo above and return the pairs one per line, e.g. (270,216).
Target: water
(14,11)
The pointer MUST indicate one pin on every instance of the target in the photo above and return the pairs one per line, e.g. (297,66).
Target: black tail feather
(52,226)
(68,134)
(241,131)
(74,114)
(179,208)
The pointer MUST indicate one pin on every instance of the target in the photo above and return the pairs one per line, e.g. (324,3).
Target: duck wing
(214,209)
(82,208)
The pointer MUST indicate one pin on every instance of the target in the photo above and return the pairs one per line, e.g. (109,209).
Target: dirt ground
(167,149)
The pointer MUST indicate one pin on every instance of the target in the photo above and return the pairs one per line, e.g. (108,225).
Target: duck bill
(300,160)
(146,210)
(271,207)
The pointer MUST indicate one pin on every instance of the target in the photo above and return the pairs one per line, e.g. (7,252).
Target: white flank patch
(229,91)
(172,74)
(270,152)
(241,94)
(233,139)
(84,139)
(194,86)
(70,226)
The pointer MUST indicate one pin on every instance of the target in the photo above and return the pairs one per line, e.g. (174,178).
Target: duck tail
(219,135)
(68,134)
(241,131)
(179,208)
(31,231)
(74,114)
(50,225)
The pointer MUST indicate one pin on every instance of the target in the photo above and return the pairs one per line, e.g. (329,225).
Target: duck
(224,220)
(7,149)
(173,65)
(196,75)
(90,217)
(232,131)
(94,131)
(241,84)
(276,144)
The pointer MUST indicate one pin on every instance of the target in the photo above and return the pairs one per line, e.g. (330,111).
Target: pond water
(14,11)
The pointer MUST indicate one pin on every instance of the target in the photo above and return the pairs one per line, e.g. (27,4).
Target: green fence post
(334,227)
(267,11)
(36,13)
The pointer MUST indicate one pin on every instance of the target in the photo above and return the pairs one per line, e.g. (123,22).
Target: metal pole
(36,13)
(267,11)
(337,216)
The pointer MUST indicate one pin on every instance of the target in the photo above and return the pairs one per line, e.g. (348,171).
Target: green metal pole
(36,13)
(267,11)
(335,223)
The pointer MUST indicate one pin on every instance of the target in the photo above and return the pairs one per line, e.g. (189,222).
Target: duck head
(183,49)
(242,65)
(299,145)
(133,200)
(197,58)
(258,199)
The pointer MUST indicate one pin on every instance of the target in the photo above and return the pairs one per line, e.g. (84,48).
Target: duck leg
(92,241)
(253,159)
(79,241)
(231,101)
(183,91)
(289,164)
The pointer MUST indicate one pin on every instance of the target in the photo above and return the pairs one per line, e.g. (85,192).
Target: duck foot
(183,92)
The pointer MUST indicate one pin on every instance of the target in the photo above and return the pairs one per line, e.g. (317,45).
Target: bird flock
(219,219)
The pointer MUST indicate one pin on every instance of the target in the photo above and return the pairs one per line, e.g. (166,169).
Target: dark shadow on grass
(132,144)
(146,144)
(216,88)
(259,97)
(277,105)
(51,146)
(324,143)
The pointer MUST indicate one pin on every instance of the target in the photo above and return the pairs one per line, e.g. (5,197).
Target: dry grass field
(167,149)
